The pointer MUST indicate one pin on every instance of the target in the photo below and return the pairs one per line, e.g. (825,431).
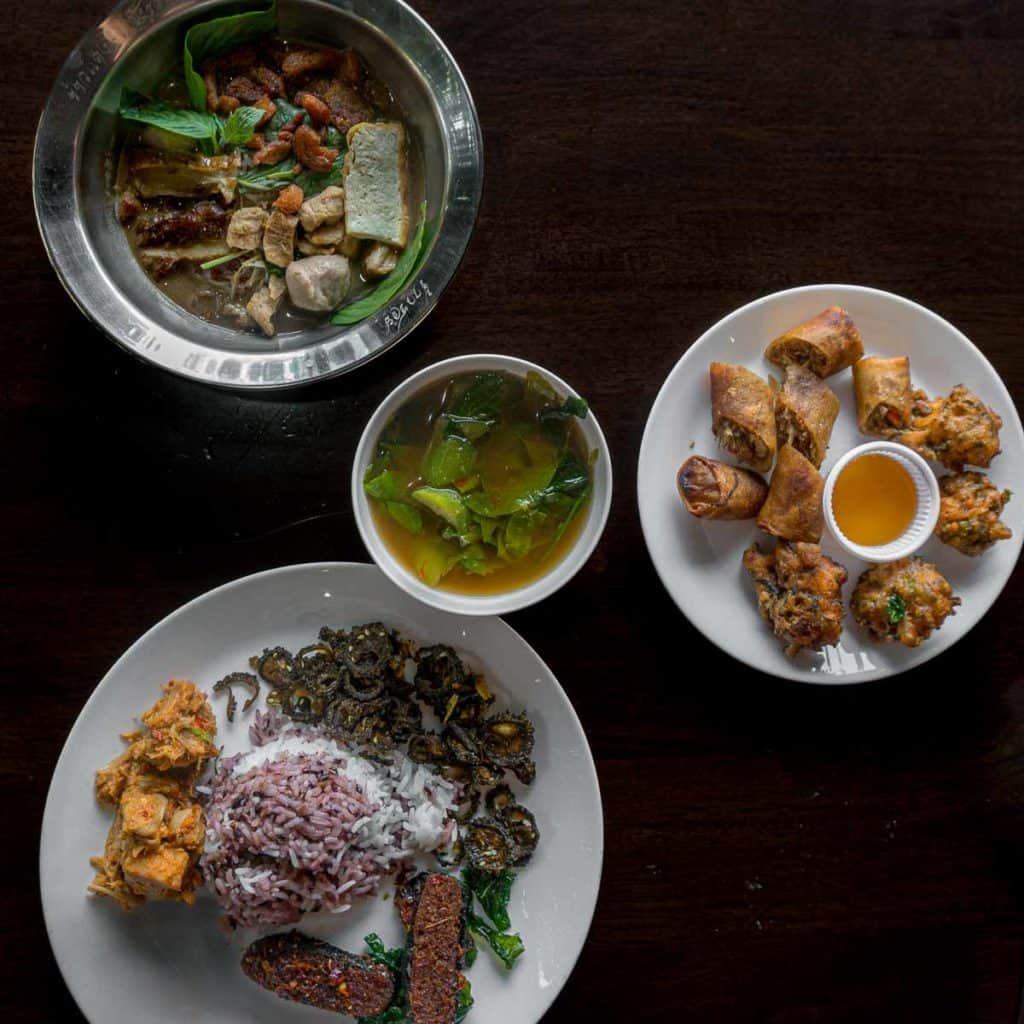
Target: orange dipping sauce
(874,500)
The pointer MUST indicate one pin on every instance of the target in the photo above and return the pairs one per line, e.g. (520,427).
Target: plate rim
(47,825)
(1012,421)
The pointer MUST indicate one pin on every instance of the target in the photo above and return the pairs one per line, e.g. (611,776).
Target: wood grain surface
(775,852)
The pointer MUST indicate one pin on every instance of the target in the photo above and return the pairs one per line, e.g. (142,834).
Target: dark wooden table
(775,852)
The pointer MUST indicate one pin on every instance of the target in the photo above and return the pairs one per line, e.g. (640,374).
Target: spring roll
(805,411)
(792,510)
(714,490)
(825,345)
(743,415)
(883,394)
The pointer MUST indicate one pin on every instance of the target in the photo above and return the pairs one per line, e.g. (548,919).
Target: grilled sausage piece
(436,951)
(306,970)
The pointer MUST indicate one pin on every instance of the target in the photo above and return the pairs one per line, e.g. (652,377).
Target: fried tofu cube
(143,813)
(154,872)
(377,183)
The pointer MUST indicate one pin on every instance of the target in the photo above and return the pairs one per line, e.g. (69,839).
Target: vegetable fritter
(969,512)
(798,593)
(956,431)
(905,600)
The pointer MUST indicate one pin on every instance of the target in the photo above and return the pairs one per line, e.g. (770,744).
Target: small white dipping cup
(925,517)
(511,600)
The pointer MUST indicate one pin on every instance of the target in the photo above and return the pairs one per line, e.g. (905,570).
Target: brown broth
(414,427)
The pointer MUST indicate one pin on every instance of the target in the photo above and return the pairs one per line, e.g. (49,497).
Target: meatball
(969,513)
(318,283)
(905,600)
(798,593)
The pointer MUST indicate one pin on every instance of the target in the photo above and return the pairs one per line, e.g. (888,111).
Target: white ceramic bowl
(921,527)
(475,604)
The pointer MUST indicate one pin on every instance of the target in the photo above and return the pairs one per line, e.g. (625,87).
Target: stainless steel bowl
(137,45)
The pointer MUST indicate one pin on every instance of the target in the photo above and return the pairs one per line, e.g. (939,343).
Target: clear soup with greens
(481,481)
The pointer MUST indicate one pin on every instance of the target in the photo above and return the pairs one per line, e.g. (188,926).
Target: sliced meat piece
(269,79)
(326,208)
(262,307)
(347,104)
(306,970)
(279,238)
(129,206)
(380,260)
(246,228)
(244,89)
(185,175)
(351,70)
(436,953)
(161,261)
(377,183)
(318,283)
(204,220)
(299,63)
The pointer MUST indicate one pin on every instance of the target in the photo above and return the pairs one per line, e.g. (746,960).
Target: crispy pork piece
(205,220)
(346,103)
(305,970)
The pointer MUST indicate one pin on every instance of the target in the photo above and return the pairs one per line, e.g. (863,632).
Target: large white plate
(166,963)
(699,562)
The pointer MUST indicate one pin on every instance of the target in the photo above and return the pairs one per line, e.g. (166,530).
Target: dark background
(775,852)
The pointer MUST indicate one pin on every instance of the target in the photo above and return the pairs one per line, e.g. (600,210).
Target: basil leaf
(266,178)
(211,38)
(239,127)
(391,285)
(314,182)
(189,123)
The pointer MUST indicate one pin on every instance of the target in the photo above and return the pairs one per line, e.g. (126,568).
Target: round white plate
(699,562)
(165,962)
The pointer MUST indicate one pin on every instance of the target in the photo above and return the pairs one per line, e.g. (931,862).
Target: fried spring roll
(805,412)
(714,490)
(792,510)
(825,345)
(882,387)
(743,414)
